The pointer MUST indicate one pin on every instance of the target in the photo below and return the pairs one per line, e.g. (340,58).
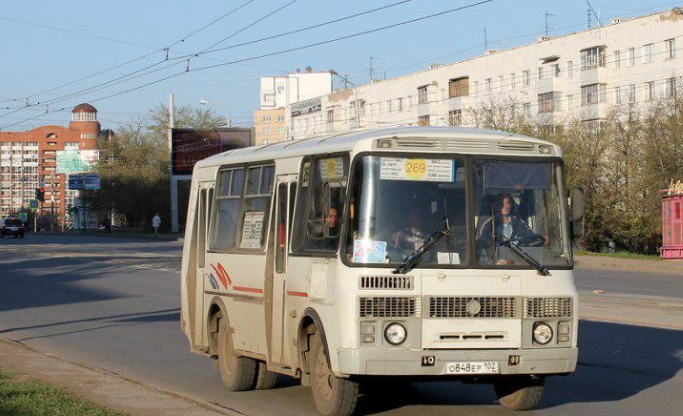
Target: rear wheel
(238,373)
(333,396)
(519,393)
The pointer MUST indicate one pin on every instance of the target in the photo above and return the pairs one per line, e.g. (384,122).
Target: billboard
(75,161)
(188,146)
(79,182)
(306,107)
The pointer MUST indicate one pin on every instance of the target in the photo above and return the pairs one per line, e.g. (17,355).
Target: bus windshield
(397,203)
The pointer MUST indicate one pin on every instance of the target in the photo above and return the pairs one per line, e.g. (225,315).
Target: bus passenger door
(285,192)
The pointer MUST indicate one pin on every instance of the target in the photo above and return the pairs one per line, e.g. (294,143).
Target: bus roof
(410,138)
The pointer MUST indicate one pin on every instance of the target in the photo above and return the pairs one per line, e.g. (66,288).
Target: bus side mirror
(578,212)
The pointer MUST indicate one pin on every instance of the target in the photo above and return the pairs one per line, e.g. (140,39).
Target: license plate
(472,367)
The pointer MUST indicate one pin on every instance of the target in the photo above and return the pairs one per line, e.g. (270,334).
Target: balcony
(458,103)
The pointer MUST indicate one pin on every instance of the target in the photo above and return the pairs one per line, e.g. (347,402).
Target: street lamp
(228,122)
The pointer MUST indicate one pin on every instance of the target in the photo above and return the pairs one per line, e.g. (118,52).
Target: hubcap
(323,376)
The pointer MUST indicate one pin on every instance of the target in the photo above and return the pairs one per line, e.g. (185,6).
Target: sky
(57,54)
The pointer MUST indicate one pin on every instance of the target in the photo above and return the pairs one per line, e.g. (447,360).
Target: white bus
(411,252)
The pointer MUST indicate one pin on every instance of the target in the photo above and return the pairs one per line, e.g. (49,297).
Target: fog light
(367,329)
(395,333)
(563,331)
(543,333)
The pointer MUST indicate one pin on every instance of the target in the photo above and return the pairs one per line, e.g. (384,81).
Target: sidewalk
(102,387)
(633,265)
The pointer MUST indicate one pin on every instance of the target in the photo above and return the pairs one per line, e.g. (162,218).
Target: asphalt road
(114,304)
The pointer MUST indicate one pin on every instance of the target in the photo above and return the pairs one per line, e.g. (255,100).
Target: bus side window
(299,219)
(200,215)
(228,197)
(256,208)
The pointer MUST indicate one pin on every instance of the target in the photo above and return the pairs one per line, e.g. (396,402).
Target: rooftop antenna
(588,17)
(594,14)
(371,69)
(547,27)
(486,42)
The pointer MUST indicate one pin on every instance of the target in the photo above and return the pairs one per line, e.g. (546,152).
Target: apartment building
(28,160)
(278,92)
(583,75)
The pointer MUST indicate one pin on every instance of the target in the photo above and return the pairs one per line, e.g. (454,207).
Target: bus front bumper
(417,362)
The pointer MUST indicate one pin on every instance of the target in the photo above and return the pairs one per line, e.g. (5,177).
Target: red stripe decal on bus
(248,289)
(299,294)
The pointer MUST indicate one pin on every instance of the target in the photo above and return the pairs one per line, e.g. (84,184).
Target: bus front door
(275,320)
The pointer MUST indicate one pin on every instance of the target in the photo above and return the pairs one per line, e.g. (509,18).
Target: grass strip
(20,396)
(620,255)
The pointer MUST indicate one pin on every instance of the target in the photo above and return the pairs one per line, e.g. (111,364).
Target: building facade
(278,92)
(28,160)
(580,76)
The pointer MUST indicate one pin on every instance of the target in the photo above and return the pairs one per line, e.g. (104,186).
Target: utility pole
(174,180)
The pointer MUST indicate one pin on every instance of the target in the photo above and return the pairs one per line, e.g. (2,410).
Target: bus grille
(471,307)
(548,307)
(387,282)
(387,307)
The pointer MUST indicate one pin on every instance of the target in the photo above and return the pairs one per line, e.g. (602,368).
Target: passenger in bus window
(508,225)
(409,238)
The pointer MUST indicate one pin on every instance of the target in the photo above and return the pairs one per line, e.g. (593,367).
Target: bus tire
(265,379)
(237,373)
(333,396)
(519,393)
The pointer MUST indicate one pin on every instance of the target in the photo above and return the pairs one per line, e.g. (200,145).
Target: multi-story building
(278,92)
(584,75)
(28,160)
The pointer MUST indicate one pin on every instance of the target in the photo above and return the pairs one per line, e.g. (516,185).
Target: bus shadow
(616,362)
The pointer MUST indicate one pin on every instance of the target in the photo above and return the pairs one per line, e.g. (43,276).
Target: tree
(135,168)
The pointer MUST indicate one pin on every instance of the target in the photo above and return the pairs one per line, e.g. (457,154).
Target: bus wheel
(519,393)
(265,379)
(333,396)
(238,373)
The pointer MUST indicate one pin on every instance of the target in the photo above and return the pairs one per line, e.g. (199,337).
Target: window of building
(570,69)
(390,106)
(649,91)
(592,58)
(545,102)
(280,89)
(570,101)
(268,97)
(617,59)
(422,97)
(399,104)
(526,108)
(501,80)
(330,116)
(459,87)
(670,49)
(631,56)
(423,120)
(671,87)
(266,119)
(617,95)
(266,130)
(526,78)
(592,94)
(512,81)
(476,88)
(648,53)
(556,70)
(540,73)
(487,86)
(455,117)
(631,94)
(280,118)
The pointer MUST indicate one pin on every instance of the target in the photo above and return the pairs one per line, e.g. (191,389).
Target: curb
(633,265)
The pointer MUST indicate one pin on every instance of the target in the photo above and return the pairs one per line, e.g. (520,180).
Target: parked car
(11,226)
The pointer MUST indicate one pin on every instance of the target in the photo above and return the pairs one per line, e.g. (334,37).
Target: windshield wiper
(414,258)
(506,242)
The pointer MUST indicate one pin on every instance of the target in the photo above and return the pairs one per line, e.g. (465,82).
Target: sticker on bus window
(427,170)
(252,229)
(331,168)
(448,258)
(306,174)
(369,251)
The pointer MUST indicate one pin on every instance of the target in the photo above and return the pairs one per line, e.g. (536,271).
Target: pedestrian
(156,223)
(107,224)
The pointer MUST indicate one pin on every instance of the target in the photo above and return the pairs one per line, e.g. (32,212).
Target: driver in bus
(508,225)
(409,238)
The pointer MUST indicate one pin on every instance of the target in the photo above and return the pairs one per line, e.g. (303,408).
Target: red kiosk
(672,222)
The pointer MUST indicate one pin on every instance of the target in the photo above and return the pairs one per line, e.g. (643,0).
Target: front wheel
(333,396)
(237,373)
(519,392)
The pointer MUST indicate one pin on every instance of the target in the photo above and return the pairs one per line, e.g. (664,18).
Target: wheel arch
(310,320)
(215,313)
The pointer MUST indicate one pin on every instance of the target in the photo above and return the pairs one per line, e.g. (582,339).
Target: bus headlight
(543,333)
(395,333)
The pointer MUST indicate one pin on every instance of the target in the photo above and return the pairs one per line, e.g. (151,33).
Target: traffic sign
(33,203)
